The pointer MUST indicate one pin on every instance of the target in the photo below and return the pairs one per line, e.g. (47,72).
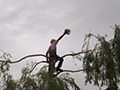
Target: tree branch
(36,55)
(72,71)
(74,54)
(37,64)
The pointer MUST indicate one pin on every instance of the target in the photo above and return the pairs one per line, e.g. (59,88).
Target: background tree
(102,63)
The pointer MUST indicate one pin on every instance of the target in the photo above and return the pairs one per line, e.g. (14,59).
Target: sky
(27,26)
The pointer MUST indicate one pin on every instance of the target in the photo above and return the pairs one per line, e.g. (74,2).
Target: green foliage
(43,81)
(5,78)
(39,81)
(102,64)
(10,83)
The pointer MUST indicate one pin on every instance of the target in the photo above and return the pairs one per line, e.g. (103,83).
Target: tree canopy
(41,80)
(102,63)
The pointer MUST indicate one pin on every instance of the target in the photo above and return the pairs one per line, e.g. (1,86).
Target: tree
(41,80)
(101,65)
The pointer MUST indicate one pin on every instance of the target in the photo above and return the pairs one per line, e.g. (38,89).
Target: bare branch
(3,61)
(36,55)
(28,56)
(37,64)
(72,71)
(74,54)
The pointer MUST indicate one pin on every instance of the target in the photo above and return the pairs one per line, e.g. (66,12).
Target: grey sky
(27,26)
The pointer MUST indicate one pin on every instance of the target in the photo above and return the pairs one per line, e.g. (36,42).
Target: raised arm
(67,31)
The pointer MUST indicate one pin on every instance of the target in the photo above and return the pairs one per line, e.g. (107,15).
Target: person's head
(52,41)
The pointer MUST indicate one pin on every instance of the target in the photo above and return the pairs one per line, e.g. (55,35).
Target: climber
(52,51)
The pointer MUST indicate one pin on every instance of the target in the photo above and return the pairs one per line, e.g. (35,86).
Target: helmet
(52,40)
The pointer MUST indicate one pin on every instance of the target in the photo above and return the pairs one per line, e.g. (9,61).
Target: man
(52,51)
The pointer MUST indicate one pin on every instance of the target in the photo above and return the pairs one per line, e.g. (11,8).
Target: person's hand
(67,31)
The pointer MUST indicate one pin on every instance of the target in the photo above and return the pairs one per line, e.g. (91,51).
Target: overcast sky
(27,26)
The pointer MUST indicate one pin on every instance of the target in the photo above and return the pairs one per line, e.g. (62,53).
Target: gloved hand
(67,31)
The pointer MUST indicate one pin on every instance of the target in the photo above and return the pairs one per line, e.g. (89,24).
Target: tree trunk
(52,66)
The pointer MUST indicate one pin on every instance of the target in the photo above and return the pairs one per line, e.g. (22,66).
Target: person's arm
(65,32)
(61,37)
(47,56)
